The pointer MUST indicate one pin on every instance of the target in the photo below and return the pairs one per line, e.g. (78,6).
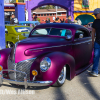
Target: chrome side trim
(49,47)
(82,42)
(61,45)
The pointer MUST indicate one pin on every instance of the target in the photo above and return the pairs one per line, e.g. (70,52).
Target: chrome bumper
(26,83)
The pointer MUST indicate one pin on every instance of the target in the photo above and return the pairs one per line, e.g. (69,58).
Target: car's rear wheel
(10,44)
(61,79)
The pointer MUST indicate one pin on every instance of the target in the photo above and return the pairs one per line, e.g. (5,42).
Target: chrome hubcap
(62,76)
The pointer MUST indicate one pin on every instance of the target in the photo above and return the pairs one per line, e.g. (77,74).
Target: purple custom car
(50,53)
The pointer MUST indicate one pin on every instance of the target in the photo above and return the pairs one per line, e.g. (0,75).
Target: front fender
(58,60)
(4,56)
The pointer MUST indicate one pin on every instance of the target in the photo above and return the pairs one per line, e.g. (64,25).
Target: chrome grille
(23,66)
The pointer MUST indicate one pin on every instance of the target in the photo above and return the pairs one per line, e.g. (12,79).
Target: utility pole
(56,11)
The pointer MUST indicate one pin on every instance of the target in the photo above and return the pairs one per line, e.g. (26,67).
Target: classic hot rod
(50,53)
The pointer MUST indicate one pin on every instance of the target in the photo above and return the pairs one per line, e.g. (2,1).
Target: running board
(82,69)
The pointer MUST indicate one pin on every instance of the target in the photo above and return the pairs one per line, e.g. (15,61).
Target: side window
(6,31)
(60,32)
(81,34)
(41,31)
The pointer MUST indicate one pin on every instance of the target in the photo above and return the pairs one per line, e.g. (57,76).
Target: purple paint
(61,51)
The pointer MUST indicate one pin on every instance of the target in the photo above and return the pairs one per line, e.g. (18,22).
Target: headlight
(45,64)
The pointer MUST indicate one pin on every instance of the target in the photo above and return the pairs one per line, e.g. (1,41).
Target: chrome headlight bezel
(45,64)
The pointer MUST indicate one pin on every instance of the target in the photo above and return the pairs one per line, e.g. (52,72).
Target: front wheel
(61,79)
(10,44)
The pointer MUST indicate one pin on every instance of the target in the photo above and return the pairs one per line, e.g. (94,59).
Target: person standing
(47,20)
(69,20)
(79,21)
(75,22)
(56,21)
(13,19)
(96,43)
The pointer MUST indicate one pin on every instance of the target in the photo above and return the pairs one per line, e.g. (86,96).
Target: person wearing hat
(96,43)
(13,19)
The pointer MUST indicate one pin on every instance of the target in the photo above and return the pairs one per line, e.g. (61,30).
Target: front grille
(12,53)
(23,66)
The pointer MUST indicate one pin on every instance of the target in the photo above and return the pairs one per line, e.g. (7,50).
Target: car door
(82,48)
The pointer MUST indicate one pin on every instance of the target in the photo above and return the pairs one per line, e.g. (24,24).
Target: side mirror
(69,37)
(81,36)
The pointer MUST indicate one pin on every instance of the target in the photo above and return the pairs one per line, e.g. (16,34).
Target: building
(8,10)
(83,9)
(42,14)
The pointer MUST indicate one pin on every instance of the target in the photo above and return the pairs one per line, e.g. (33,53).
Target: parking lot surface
(82,87)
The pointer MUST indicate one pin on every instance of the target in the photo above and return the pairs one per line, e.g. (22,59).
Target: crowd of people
(68,20)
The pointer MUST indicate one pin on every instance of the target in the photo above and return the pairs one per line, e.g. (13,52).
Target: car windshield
(53,31)
(23,29)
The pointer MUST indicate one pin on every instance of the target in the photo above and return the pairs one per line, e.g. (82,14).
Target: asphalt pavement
(82,87)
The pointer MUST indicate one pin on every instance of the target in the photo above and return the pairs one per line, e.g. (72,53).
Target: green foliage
(14,1)
(38,19)
(47,7)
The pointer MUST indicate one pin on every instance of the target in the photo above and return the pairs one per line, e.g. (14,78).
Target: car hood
(43,41)
(34,46)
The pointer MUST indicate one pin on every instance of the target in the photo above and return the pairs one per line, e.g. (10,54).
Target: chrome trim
(25,82)
(26,60)
(15,51)
(24,65)
(61,45)
(82,42)
(49,47)
(47,59)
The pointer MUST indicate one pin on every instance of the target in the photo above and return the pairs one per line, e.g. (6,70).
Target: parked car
(15,33)
(29,23)
(50,53)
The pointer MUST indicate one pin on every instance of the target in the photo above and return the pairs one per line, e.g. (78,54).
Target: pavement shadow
(83,78)
(59,95)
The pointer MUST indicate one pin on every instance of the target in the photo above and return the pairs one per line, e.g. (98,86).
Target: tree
(14,1)
(47,7)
